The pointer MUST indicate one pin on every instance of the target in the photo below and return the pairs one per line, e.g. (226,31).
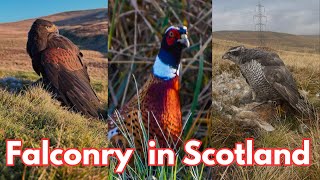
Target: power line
(260,20)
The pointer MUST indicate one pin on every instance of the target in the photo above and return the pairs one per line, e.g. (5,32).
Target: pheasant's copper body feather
(160,113)
(159,108)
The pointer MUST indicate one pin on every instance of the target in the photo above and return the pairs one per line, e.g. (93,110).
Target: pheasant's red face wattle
(172,36)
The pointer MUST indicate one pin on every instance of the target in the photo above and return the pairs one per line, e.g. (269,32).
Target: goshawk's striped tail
(305,108)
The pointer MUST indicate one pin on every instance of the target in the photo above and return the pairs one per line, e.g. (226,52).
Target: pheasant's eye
(171,34)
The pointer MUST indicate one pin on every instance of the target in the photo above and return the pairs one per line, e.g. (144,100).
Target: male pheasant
(158,103)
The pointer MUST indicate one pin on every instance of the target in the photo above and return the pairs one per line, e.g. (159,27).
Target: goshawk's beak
(184,40)
(225,56)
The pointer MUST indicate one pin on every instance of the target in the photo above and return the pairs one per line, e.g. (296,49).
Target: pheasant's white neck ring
(164,71)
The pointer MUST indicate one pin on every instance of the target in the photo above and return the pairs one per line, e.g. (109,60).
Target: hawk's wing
(283,82)
(63,68)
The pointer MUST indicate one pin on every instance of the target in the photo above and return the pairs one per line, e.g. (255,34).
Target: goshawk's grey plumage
(269,78)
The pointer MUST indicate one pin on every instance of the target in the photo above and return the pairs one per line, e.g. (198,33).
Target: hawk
(269,78)
(59,62)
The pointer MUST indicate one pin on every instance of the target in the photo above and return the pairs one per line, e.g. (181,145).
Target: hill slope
(281,41)
(90,24)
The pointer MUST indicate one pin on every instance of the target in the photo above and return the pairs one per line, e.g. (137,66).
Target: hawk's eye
(47,27)
(171,34)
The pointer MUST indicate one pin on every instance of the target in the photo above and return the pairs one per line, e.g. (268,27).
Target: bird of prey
(269,78)
(59,62)
(158,101)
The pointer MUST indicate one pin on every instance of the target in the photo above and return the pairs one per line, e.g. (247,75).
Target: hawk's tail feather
(305,107)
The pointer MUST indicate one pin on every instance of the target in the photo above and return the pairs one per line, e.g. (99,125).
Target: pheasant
(159,100)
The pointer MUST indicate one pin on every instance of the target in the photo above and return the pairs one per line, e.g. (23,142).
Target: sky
(288,16)
(16,10)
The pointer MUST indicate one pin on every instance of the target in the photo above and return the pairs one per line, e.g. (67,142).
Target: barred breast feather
(253,71)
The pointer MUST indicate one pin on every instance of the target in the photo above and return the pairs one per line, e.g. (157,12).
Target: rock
(264,125)
(233,99)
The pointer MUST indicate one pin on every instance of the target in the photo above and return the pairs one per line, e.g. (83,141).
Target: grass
(276,40)
(98,82)
(225,134)
(23,75)
(139,169)
(32,115)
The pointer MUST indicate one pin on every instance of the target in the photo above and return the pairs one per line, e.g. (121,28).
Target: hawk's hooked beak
(53,29)
(184,40)
(225,56)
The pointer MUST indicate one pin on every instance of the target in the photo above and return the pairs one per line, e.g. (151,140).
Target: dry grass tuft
(32,115)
